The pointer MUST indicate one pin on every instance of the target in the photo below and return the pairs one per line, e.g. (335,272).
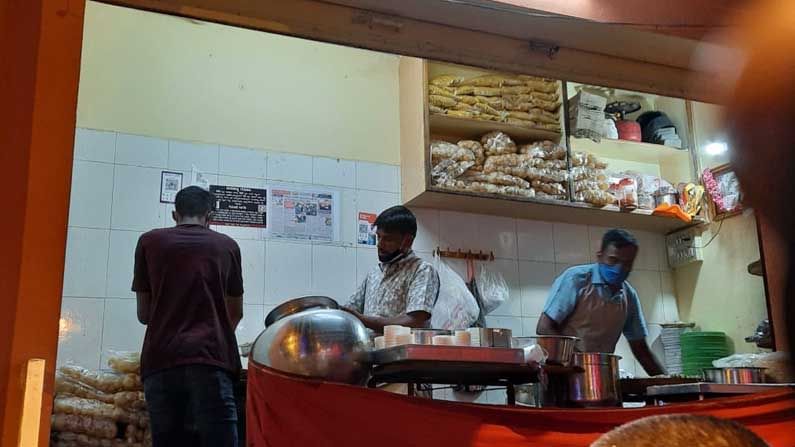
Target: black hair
(618,238)
(398,219)
(194,201)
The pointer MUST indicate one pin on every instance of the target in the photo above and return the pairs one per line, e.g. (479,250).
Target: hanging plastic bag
(493,289)
(472,285)
(535,354)
(456,308)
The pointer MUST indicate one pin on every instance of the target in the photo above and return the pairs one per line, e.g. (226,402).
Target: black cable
(713,236)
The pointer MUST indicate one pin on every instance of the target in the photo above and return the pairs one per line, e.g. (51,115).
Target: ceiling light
(716,148)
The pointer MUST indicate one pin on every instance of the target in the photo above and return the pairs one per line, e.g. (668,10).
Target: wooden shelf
(549,210)
(631,151)
(418,126)
(472,129)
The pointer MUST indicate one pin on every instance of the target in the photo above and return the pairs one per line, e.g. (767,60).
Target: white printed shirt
(406,284)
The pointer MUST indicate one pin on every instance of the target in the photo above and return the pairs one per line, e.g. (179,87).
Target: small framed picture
(725,194)
(170,184)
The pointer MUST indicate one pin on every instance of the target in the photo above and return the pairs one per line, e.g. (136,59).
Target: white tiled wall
(115,198)
(116,185)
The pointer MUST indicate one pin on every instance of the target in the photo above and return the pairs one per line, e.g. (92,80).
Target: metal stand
(510,390)
(415,365)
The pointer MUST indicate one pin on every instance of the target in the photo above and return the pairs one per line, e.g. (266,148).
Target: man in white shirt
(403,288)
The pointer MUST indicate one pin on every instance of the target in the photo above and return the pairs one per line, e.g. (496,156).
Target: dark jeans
(192,405)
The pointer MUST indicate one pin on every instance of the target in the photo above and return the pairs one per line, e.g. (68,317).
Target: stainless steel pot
(425,336)
(307,337)
(734,375)
(671,198)
(491,337)
(298,305)
(597,385)
(559,348)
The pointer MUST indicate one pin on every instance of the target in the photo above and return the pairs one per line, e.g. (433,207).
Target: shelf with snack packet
(488,158)
(467,102)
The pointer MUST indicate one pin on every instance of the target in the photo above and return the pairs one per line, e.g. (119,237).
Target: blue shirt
(571,286)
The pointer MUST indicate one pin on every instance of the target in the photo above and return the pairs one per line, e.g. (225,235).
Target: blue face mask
(613,274)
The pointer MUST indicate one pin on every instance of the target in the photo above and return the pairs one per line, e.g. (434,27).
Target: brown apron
(597,320)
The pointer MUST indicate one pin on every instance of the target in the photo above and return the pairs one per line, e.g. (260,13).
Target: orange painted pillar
(40,42)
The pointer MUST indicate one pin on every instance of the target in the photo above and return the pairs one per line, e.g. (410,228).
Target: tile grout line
(110,223)
(102,332)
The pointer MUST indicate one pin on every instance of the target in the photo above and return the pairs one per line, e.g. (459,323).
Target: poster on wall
(239,207)
(366,232)
(170,184)
(199,178)
(297,213)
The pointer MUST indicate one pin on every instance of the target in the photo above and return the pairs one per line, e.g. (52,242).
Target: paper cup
(463,338)
(390,332)
(445,340)
(405,339)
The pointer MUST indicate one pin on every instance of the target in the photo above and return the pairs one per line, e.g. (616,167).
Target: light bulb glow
(716,148)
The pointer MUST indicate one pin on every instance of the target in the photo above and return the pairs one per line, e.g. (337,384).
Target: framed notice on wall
(240,207)
(170,184)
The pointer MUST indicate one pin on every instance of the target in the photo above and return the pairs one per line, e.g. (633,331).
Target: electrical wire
(713,236)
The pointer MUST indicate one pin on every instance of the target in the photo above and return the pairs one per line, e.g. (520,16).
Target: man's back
(189,270)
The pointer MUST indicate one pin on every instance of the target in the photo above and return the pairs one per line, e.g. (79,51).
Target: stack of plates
(672,347)
(699,349)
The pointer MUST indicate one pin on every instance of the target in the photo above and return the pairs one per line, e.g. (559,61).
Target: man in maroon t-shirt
(189,289)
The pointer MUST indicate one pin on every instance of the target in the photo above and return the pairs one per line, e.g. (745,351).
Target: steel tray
(712,388)
(442,353)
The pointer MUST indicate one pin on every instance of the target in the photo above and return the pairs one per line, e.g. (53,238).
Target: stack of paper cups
(405,339)
(474,336)
(392,332)
(463,338)
(379,342)
(447,340)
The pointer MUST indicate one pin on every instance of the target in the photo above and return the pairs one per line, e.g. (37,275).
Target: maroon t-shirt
(189,270)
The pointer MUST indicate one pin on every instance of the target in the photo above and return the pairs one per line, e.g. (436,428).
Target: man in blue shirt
(595,303)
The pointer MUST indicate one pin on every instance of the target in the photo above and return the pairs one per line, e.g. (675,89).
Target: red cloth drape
(287,411)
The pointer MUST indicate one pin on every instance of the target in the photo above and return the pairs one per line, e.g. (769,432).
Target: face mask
(613,274)
(389,257)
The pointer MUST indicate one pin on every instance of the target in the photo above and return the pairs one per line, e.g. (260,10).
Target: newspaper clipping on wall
(297,213)
(365,230)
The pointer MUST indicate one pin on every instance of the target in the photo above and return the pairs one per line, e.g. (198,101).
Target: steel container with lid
(312,337)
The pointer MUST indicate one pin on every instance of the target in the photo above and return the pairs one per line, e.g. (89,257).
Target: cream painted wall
(232,86)
(720,294)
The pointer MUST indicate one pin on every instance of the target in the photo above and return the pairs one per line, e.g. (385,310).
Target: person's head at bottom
(680,430)
(396,229)
(193,206)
